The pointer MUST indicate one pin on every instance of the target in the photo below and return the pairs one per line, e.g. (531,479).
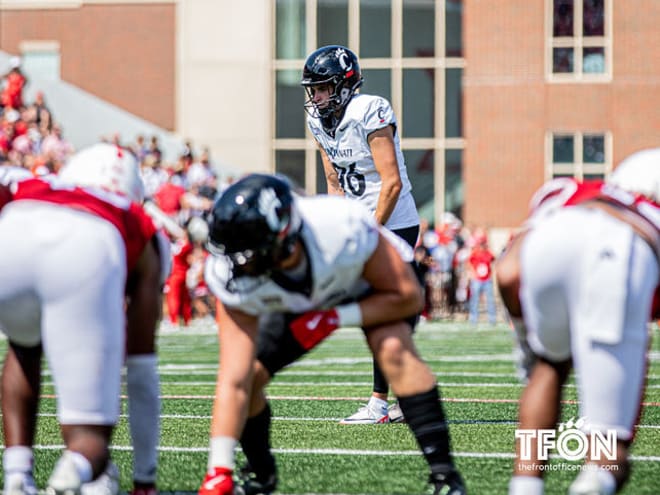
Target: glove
(219,481)
(312,327)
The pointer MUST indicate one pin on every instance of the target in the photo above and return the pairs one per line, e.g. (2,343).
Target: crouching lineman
(579,284)
(282,268)
(80,280)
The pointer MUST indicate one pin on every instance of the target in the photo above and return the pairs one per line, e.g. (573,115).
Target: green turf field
(316,455)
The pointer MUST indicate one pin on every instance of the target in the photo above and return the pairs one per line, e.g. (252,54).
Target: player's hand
(219,481)
(312,327)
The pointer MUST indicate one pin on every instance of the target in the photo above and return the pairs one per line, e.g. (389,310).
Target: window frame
(578,43)
(577,168)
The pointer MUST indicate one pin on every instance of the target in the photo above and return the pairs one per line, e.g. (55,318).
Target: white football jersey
(351,156)
(338,235)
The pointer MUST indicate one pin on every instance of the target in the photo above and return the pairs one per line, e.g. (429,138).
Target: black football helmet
(255,224)
(338,66)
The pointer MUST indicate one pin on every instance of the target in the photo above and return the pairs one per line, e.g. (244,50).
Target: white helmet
(639,173)
(198,229)
(106,166)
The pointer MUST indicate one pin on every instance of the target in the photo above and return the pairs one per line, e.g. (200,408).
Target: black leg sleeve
(380,382)
(427,421)
(255,442)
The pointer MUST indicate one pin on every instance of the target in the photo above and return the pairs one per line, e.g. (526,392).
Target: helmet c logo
(344,60)
(268,204)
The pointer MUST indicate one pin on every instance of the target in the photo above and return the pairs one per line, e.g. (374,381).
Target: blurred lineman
(80,281)
(287,272)
(362,159)
(579,285)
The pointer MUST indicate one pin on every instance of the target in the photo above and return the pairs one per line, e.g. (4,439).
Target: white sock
(18,462)
(526,485)
(18,459)
(607,481)
(142,385)
(222,452)
(376,404)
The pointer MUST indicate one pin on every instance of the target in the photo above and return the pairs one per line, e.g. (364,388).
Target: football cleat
(65,479)
(248,484)
(366,415)
(219,481)
(447,484)
(395,413)
(589,483)
(19,484)
(106,484)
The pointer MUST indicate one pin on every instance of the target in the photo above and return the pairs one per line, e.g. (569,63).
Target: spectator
(202,301)
(39,111)
(201,172)
(153,175)
(55,147)
(140,148)
(154,147)
(423,264)
(480,268)
(11,97)
(177,296)
(169,196)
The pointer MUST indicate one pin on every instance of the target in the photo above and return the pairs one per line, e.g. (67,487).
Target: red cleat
(218,482)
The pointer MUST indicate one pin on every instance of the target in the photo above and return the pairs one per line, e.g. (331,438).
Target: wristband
(350,315)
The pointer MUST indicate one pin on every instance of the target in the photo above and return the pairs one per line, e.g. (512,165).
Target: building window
(583,155)
(290,31)
(41,60)
(579,40)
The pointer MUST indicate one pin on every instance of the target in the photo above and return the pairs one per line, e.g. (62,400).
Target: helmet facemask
(260,262)
(337,67)
(333,109)
(254,226)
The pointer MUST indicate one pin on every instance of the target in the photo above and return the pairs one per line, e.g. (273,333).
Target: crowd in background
(455,261)
(457,266)
(31,138)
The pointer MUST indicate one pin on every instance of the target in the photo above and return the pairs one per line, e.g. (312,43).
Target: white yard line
(347,452)
(496,422)
(211,383)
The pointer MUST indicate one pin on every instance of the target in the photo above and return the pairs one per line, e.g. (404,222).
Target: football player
(288,271)
(579,283)
(358,138)
(80,279)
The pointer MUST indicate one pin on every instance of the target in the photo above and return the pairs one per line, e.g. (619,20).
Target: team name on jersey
(339,153)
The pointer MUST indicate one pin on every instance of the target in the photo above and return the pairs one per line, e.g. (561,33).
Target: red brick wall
(124,54)
(508,107)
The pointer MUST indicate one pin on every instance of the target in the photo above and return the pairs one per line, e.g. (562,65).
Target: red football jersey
(562,192)
(134,225)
